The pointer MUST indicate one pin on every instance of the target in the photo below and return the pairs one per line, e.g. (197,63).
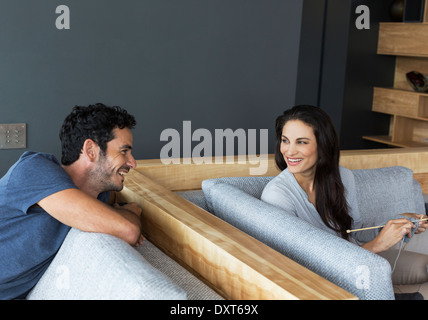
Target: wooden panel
(235,264)
(420,130)
(405,39)
(180,177)
(393,101)
(403,129)
(415,159)
(188,176)
(423,109)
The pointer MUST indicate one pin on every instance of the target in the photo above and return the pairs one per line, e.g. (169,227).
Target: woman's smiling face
(299,147)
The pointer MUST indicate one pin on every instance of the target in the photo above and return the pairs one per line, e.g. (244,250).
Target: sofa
(382,194)
(95,266)
(99,266)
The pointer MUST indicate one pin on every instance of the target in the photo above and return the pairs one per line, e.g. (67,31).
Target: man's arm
(129,210)
(76,209)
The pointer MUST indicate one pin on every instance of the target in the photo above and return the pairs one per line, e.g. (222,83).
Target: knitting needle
(376,227)
(362,229)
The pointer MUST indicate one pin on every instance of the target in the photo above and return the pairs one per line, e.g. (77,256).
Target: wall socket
(13,136)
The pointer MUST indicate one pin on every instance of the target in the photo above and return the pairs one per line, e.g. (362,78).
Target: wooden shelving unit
(408,109)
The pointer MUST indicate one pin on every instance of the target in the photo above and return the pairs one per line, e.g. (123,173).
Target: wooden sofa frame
(231,262)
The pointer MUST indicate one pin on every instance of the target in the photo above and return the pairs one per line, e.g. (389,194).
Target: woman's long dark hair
(330,193)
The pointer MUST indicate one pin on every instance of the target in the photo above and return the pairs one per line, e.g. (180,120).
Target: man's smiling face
(116,162)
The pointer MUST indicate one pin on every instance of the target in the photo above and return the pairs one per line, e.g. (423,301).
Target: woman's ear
(90,150)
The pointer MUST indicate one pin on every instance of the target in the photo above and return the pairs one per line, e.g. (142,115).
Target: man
(41,199)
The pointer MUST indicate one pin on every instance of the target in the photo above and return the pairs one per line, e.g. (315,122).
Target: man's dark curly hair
(94,122)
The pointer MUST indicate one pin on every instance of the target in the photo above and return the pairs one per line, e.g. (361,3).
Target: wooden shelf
(400,144)
(409,117)
(408,109)
(401,102)
(403,39)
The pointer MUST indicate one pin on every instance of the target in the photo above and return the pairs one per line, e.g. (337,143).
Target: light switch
(13,136)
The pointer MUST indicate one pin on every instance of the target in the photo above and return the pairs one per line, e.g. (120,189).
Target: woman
(315,188)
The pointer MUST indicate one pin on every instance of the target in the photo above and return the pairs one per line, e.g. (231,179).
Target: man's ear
(90,150)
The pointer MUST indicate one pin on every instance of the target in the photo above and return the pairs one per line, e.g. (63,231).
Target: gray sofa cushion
(358,271)
(100,266)
(252,185)
(385,193)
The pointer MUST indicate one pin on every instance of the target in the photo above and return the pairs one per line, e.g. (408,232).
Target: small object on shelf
(418,81)
(397,11)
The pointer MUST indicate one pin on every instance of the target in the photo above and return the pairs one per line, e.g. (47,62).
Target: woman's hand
(422,225)
(392,233)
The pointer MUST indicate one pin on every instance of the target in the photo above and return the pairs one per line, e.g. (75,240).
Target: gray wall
(220,64)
